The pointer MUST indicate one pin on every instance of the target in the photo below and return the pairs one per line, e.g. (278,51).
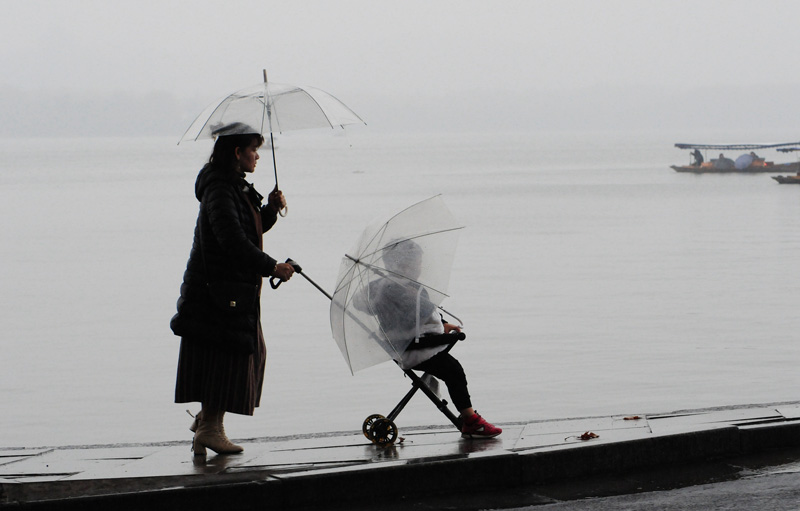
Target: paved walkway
(325,471)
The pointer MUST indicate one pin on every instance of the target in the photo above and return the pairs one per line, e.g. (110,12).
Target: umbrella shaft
(316,285)
(274,165)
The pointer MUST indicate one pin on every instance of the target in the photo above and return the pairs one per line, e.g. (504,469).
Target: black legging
(445,367)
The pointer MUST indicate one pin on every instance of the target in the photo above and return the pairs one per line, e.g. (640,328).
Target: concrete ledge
(755,438)
(620,457)
(371,483)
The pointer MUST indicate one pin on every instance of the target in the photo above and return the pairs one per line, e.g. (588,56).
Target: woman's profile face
(247,157)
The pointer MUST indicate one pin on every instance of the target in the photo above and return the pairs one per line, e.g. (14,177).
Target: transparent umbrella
(269,108)
(392,279)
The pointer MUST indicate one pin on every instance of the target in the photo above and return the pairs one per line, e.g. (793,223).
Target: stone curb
(362,485)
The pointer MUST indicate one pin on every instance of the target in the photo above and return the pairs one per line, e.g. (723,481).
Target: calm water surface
(592,279)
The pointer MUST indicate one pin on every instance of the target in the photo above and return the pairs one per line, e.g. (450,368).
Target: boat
(747,163)
(787,180)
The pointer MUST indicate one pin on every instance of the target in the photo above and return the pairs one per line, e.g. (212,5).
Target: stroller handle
(272,280)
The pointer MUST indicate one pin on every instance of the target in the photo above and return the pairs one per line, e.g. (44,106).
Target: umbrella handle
(284,211)
(275,282)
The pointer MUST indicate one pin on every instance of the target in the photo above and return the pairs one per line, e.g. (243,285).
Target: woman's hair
(224,154)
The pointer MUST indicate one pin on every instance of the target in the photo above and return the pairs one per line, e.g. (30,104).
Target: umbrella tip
(265,76)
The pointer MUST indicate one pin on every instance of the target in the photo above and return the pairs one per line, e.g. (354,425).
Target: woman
(223,354)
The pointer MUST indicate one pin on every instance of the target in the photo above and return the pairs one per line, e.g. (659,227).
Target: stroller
(382,430)
(388,286)
(379,429)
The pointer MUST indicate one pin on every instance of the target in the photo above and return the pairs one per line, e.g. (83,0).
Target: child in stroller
(405,311)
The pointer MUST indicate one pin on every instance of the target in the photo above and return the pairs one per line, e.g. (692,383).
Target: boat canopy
(735,147)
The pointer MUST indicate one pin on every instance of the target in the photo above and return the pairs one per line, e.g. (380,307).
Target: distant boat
(787,180)
(747,163)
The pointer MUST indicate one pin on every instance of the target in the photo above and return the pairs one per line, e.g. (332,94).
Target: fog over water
(147,67)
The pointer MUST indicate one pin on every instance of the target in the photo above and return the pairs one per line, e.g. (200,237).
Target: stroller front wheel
(383,432)
(368,422)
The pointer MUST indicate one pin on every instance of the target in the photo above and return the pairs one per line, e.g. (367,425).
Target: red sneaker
(477,427)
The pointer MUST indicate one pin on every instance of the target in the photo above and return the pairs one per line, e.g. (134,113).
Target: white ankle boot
(210,433)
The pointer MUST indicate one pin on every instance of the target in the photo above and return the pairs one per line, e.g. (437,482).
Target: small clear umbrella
(393,278)
(272,108)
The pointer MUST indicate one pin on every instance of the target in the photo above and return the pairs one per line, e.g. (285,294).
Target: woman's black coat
(219,301)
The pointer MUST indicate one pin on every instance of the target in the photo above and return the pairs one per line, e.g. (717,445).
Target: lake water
(592,279)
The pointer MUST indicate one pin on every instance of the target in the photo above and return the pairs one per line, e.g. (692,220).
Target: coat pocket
(234,297)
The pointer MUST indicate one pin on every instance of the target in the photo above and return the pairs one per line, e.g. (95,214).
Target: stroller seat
(431,340)
(381,430)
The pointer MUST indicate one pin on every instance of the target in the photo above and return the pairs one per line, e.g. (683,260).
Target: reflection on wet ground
(539,456)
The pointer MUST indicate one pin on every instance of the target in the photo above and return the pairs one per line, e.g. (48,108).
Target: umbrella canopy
(273,108)
(268,108)
(391,281)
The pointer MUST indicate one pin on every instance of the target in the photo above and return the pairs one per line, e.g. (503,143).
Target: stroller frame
(381,430)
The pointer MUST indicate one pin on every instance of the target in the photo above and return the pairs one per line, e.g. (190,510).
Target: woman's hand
(276,200)
(283,271)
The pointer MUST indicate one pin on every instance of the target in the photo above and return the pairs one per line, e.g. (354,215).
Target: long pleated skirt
(221,380)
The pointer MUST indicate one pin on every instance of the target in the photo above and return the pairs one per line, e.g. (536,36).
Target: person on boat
(723,163)
(698,158)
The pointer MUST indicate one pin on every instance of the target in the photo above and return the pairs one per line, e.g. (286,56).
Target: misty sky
(147,67)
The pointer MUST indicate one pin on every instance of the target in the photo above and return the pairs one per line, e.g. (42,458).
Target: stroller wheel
(368,422)
(383,432)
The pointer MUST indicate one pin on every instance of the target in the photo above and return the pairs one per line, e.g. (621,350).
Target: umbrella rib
(412,206)
(266,110)
(364,327)
(417,236)
(342,283)
(219,104)
(328,119)
(344,331)
(269,108)
(387,222)
(378,269)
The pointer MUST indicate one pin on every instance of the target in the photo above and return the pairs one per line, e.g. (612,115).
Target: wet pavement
(531,463)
